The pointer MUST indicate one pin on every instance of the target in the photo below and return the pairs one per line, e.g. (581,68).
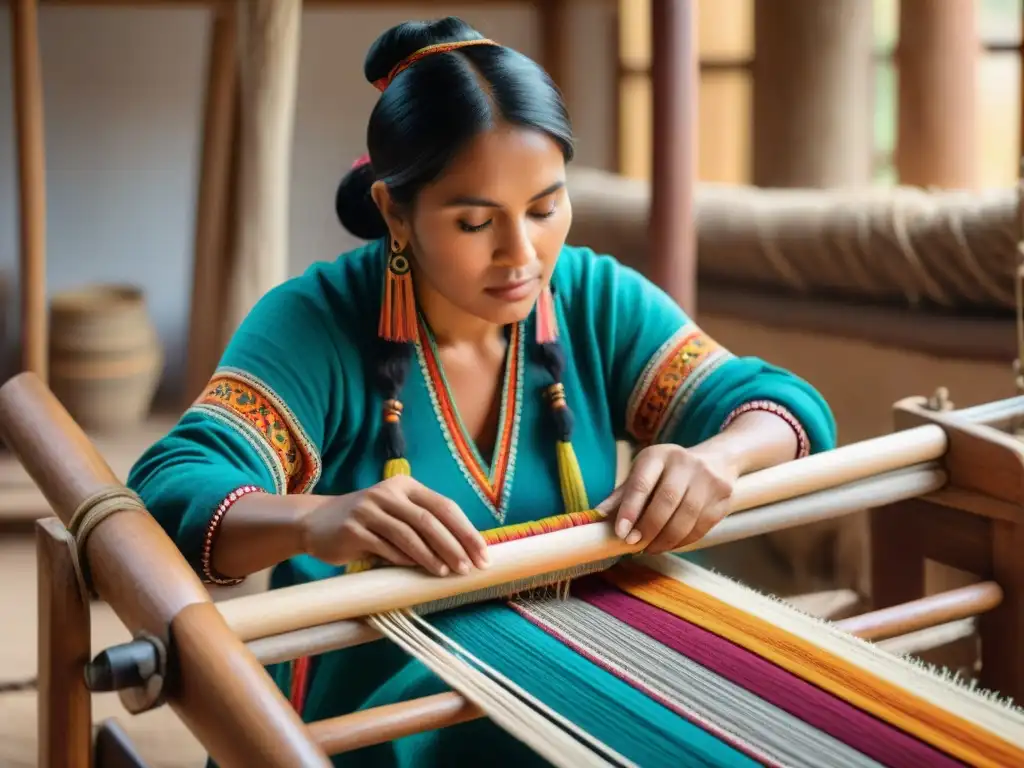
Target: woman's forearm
(754,440)
(259,531)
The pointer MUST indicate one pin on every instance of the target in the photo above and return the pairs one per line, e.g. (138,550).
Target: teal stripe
(609,709)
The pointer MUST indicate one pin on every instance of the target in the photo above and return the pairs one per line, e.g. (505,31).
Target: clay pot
(105,356)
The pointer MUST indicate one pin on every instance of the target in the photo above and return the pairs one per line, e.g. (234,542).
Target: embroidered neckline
(492,481)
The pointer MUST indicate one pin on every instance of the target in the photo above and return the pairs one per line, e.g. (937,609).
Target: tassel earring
(398,310)
(547,323)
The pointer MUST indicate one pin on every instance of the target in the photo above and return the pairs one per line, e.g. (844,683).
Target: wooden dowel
(28,111)
(65,709)
(392,721)
(931,611)
(825,505)
(223,695)
(375,591)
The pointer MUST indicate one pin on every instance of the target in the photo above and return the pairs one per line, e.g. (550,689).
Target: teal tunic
(293,409)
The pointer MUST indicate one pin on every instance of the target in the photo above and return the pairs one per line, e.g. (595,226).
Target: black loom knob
(129,665)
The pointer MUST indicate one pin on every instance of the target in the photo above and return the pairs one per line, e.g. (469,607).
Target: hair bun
(355,208)
(405,39)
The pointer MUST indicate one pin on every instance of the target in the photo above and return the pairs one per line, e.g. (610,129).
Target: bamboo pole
(377,591)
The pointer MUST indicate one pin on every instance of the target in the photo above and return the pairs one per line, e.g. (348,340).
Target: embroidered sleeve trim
(803,443)
(250,407)
(668,382)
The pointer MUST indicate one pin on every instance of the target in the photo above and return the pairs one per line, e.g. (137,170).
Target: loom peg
(392,721)
(930,611)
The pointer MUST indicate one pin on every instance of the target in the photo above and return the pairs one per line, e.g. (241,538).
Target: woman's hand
(399,520)
(672,497)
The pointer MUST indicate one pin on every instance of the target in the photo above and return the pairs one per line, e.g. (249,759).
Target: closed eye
(467,227)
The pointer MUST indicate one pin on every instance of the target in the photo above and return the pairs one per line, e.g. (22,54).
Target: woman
(397,401)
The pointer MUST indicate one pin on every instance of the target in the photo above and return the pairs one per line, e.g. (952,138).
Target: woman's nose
(519,250)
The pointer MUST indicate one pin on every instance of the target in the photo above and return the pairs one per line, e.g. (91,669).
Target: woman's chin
(502,312)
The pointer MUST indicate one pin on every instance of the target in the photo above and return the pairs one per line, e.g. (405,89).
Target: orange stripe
(841,678)
(505,449)
(454,428)
(538,527)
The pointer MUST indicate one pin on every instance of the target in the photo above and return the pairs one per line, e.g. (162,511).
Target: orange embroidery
(265,414)
(665,381)
(492,487)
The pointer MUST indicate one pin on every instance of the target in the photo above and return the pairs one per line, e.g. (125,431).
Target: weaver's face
(487,234)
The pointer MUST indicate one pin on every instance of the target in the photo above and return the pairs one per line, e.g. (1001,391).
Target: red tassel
(398,310)
(547,323)
(300,683)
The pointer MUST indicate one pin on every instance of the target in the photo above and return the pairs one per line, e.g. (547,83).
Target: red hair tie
(360,162)
(382,83)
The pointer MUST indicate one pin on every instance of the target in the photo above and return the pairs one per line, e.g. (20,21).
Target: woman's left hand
(672,497)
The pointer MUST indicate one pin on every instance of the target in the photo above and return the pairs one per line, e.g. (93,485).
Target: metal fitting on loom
(137,670)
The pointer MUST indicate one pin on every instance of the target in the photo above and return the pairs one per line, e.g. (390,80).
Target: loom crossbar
(377,591)
(816,507)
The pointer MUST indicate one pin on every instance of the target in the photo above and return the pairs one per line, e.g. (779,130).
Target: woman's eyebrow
(482,202)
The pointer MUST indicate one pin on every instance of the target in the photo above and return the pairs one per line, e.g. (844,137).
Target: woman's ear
(391,212)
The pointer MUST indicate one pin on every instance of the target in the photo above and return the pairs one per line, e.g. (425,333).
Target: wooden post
(213,209)
(65,709)
(555,34)
(812,104)
(674,74)
(1002,630)
(937,59)
(897,566)
(269,34)
(28,110)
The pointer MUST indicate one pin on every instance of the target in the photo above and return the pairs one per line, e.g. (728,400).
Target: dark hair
(433,108)
(423,118)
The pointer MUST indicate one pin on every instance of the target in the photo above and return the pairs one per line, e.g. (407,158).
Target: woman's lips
(515,291)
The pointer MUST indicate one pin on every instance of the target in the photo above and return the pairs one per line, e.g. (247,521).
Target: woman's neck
(451,326)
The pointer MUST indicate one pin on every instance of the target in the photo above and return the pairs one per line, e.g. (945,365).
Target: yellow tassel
(359,565)
(395,467)
(574,492)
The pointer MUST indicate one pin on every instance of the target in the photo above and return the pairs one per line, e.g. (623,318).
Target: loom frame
(215,682)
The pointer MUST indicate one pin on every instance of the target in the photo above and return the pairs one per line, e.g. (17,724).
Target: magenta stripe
(829,714)
(724,736)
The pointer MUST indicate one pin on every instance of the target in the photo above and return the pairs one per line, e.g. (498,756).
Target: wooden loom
(949,485)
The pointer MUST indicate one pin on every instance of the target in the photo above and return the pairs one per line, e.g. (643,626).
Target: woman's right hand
(399,520)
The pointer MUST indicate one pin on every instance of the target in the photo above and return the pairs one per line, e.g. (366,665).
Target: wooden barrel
(105,355)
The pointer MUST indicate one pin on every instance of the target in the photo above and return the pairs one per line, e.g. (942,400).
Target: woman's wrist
(752,440)
(261,530)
